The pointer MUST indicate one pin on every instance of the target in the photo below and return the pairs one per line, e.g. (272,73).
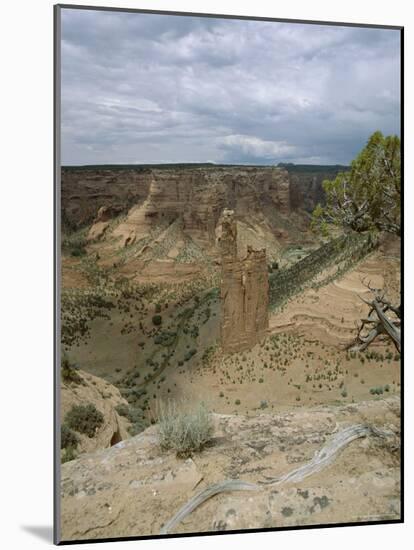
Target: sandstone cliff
(244,290)
(198,196)
(133,488)
(85,191)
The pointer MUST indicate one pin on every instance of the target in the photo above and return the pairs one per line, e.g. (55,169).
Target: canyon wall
(84,191)
(244,291)
(154,196)
(306,189)
(198,196)
(207,189)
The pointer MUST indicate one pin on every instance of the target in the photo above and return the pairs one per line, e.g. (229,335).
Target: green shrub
(134,415)
(165,338)
(78,252)
(237,402)
(74,244)
(189,354)
(68,438)
(376,391)
(84,419)
(184,430)
(68,454)
(68,371)
(157,320)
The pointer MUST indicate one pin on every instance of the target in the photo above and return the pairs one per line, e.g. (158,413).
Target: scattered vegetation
(84,419)
(157,320)
(135,416)
(68,438)
(69,371)
(343,252)
(68,444)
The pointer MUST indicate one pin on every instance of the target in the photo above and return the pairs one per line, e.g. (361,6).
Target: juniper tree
(367,199)
(368,196)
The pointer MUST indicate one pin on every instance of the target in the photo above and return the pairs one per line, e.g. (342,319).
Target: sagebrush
(184,430)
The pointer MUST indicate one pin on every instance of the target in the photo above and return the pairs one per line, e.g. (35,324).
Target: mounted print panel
(228,288)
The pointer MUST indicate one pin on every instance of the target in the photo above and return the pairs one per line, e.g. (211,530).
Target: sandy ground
(303,360)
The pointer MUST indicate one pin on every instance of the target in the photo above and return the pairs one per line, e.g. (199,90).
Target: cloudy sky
(143,88)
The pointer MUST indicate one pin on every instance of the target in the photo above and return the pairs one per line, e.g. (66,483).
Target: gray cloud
(140,88)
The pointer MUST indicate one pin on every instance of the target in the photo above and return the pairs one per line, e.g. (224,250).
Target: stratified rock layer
(244,291)
(160,196)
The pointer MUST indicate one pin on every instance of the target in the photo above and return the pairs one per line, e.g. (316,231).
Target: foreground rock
(133,489)
(105,398)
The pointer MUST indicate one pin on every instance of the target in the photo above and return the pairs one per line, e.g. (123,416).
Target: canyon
(84,190)
(207,284)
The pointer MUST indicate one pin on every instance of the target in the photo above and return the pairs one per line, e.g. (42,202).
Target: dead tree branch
(383,318)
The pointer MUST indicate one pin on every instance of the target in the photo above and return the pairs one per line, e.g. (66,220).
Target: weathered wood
(382,323)
(211,491)
(322,458)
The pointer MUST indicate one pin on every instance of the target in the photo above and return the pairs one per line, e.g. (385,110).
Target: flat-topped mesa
(244,291)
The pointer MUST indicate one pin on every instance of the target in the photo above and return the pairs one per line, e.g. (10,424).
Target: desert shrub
(78,252)
(68,438)
(165,338)
(134,415)
(84,419)
(189,354)
(194,332)
(207,354)
(376,391)
(157,308)
(75,244)
(237,402)
(68,371)
(156,320)
(184,430)
(68,454)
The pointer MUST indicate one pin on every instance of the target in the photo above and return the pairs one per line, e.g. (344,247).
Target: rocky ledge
(133,488)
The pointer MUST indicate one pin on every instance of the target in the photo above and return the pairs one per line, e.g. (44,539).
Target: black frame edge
(56,267)
(227,16)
